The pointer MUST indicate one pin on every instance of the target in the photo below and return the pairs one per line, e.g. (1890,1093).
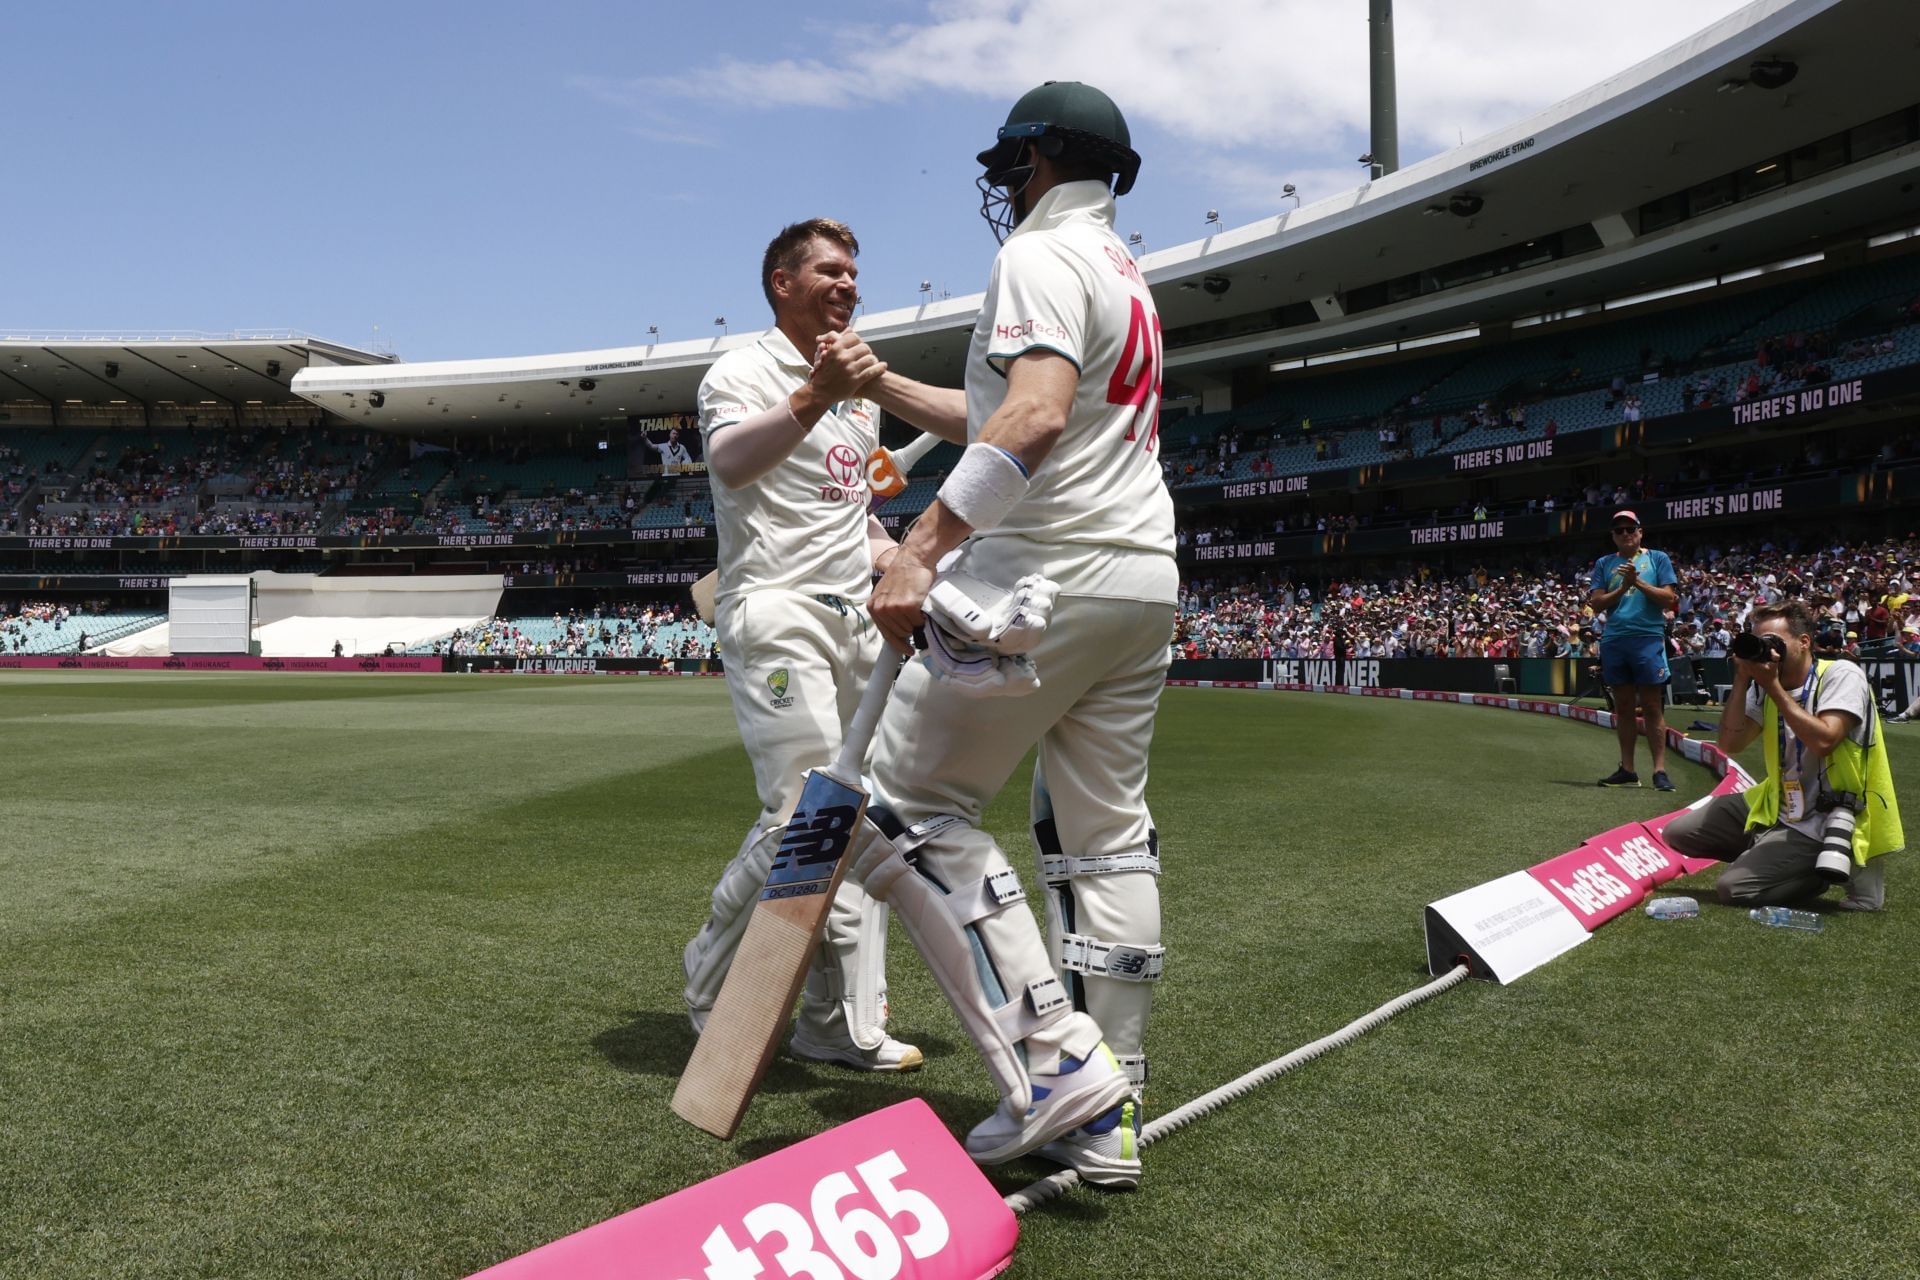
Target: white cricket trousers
(1102,665)
(796,666)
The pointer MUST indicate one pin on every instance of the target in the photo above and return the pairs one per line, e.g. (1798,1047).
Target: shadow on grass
(650,1042)
(657,1042)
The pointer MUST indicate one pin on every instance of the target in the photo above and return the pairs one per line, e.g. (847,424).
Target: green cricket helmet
(1058,116)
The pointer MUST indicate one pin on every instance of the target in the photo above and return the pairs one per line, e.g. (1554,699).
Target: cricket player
(786,438)
(1060,479)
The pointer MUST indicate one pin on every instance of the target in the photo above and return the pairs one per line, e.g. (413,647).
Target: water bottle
(1673,908)
(1786,918)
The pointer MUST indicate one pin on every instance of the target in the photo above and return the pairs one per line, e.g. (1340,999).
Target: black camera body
(1749,646)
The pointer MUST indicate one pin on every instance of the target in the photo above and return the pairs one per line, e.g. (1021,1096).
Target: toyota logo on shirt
(843,466)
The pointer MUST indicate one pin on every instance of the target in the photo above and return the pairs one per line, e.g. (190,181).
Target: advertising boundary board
(888,1194)
(414,663)
(1507,927)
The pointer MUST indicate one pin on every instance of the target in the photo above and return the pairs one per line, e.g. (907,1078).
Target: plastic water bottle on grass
(1786,918)
(1673,909)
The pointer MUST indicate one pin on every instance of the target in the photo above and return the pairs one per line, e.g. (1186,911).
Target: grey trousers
(1770,866)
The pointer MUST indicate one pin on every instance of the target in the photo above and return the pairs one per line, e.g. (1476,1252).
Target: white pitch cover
(1510,926)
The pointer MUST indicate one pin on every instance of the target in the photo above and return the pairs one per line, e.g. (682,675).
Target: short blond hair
(789,249)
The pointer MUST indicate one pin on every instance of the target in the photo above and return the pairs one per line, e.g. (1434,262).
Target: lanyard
(1799,747)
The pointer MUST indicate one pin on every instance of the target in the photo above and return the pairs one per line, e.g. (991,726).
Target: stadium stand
(1856,321)
(1538,610)
(620,631)
(51,627)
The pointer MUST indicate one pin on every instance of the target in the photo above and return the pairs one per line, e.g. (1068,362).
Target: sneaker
(1661,782)
(1104,1151)
(1080,1092)
(1621,778)
(891,1055)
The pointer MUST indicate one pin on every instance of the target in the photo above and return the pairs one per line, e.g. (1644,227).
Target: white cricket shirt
(1097,517)
(802,526)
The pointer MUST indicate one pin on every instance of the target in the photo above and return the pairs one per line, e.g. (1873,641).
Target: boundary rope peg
(1047,1188)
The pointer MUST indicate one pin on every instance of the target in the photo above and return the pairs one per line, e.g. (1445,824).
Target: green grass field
(379,976)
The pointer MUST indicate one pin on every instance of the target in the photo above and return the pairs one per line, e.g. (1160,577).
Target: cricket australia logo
(777,686)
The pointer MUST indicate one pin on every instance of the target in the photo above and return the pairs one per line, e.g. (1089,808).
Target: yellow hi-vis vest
(1862,771)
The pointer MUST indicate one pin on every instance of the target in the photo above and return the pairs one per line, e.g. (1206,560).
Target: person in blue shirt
(1634,587)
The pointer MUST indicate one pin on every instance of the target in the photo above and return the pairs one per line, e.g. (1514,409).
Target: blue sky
(484,179)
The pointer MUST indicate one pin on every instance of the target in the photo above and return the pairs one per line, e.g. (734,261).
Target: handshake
(843,365)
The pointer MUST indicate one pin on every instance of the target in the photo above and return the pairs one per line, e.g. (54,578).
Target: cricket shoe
(890,1055)
(1661,782)
(1104,1151)
(821,1034)
(1079,1093)
(1621,778)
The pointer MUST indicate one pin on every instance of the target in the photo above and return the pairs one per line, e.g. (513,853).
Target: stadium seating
(649,633)
(1568,380)
(50,634)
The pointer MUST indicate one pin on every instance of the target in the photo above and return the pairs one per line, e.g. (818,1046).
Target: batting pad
(890,1194)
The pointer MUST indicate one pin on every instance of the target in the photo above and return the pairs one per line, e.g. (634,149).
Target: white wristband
(985,487)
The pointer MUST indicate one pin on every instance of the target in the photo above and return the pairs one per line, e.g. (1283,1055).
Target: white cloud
(1276,75)
(648,121)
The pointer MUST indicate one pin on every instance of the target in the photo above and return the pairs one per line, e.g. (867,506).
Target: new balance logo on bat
(810,847)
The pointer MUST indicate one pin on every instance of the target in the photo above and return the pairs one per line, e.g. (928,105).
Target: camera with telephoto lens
(1834,863)
(1749,646)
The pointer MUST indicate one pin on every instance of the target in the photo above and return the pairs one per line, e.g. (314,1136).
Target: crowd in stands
(40,626)
(605,631)
(1397,412)
(1695,477)
(231,521)
(1864,591)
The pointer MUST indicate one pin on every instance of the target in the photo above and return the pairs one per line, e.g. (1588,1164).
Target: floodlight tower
(1385,115)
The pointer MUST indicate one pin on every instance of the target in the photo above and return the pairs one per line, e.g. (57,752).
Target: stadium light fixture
(1213,217)
(1290,190)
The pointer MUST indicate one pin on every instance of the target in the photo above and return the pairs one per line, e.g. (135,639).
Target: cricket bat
(757,998)
(886,475)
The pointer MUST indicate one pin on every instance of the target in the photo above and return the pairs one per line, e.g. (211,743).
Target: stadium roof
(229,370)
(1703,109)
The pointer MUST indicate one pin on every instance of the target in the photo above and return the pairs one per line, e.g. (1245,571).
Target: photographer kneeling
(1825,812)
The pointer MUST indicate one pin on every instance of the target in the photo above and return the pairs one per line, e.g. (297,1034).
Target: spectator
(1634,587)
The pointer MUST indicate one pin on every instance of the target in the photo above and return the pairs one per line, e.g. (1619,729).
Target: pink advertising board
(218,662)
(890,1196)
